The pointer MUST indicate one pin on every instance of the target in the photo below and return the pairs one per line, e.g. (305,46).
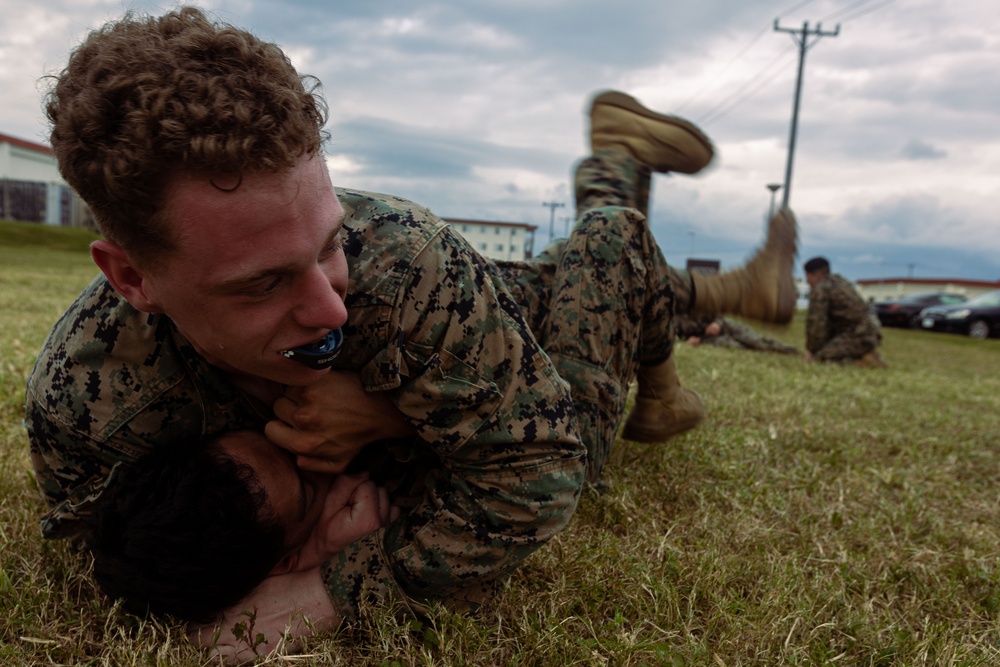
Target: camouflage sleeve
(855,310)
(817,319)
(487,399)
(687,326)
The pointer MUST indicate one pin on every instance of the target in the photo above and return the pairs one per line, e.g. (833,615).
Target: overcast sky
(477,109)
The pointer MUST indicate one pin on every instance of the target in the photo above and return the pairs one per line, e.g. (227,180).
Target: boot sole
(642,435)
(618,99)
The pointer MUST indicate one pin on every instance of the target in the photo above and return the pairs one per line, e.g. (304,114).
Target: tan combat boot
(871,360)
(763,289)
(663,408)
(664,143)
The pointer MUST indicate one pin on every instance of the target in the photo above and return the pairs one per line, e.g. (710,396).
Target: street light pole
(773,187)
(553,205)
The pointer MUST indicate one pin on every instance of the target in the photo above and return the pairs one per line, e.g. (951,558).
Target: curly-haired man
(230,264)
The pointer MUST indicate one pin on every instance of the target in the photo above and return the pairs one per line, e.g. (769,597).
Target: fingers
(370,506)
(315,464)
(284,408)
(286,437)
(383,505)
(296,409)
(343,488)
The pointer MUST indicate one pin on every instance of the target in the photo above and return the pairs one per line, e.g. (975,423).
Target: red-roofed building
(31,189)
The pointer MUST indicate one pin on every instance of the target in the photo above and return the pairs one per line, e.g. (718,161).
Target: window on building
(465,228)
(497,231)
(513,231)
(482,246)
(499,247)
(482,229)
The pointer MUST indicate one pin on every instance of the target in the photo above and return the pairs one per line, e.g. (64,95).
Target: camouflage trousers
(603,300)
(736,335)
(848,347)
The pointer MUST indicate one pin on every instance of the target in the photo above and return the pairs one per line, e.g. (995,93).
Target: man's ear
(124,275)
(287,564)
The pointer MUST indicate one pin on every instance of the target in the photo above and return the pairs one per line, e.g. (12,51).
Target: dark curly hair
(186,531)
(145,96)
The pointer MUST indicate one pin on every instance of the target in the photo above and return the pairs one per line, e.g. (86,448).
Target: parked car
(905,311)
(978,317)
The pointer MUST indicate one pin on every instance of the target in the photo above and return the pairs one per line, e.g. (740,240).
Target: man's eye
(265,288)
(332,247)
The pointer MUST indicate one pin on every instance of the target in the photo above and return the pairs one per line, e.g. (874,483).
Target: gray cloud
(916,149)
(477,109)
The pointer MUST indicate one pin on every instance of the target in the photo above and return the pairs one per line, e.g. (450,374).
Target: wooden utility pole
(802,38)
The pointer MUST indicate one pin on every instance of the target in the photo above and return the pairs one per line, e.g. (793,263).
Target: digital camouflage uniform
(840,326)
(732,335)
(431,323)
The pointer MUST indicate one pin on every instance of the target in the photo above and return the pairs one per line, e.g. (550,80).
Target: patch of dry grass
(821,516)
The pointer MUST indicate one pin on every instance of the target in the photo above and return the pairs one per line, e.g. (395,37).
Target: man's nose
(322,306)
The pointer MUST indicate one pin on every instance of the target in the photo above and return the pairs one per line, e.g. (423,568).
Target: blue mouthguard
(318,355)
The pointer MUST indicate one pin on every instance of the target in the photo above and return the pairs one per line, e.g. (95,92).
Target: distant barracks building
(497,240)
(31,189)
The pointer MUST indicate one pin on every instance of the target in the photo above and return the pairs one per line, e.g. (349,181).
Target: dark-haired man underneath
(230,262)
(840,327)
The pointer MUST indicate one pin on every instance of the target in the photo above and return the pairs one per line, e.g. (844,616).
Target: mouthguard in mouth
(318,355)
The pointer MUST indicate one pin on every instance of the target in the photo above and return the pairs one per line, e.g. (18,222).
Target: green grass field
(820,516)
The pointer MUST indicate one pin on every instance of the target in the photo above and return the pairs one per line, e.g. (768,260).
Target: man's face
(259,268)
(296,496)
(814,277)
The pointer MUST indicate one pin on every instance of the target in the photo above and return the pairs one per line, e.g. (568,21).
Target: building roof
(930,281)
(24,143)
(495,223)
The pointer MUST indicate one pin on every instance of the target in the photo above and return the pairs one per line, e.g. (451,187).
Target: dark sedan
(905,311)
(978,317)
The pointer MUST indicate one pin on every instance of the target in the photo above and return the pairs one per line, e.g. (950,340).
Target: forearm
(280,611)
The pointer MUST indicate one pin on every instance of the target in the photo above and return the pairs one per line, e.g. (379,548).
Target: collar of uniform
(221,399)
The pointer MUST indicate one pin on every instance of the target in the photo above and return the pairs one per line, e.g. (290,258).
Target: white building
(876,289)
(31,189)
(497,240)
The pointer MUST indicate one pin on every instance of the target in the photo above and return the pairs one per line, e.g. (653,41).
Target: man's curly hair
(145,96)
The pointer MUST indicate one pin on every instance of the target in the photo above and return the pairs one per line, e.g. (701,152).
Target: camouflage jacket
(428,323)
(836,310)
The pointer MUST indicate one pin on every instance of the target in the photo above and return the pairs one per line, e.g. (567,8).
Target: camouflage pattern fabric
(514,428)
(733,335)
(840,326)
(428,324)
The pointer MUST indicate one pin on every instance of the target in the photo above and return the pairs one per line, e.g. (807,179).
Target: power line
(802,4)
(845,10)
(753,40)
(867,11)
(718,75)
(740,95)
(721,110)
